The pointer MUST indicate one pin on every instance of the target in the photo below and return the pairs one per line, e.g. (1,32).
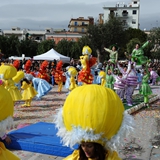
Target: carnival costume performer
(43,72)
(27,67)
(87,61)
(109,77)
(73,73)
(102,76)
(138,54)
(93,114)
(113,54)
(131,82)
(28,92)
(17,79)
(59,75)
(16,64)
(145,89)
(40,85)
(6,121)
(8,71)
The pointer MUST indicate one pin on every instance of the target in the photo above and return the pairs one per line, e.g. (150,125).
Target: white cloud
(35,14)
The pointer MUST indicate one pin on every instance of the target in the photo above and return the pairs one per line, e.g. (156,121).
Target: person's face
(113,48)
(125,69)
(109,71)
(137,46)
(89,149)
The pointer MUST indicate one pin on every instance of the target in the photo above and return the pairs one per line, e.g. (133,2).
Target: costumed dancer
(59,75)
(67,81)
(145,89)
(6,121)
(17,79)
(119,85)
(109,77)
(113,55)
(73,73)
(40,85)
(28,92)
(153,76)
(27,67)
(87,61)
(138,54)
(8,71)
(43,71)
(102,77)
(131,83)
(93,117)
(16,64)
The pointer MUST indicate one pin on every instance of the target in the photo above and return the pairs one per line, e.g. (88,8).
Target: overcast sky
(56,14)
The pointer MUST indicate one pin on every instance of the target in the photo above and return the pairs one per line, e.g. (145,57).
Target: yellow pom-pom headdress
(86,50)
(93,113)
(8,71)
(6,110)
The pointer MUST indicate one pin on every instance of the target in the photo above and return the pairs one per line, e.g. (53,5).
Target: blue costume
(40,85)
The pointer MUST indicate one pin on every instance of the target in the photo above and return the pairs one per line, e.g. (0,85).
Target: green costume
(109,78)
(113,55)
(138,55)
(145,89)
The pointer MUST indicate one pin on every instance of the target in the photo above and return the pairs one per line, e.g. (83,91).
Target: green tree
(45,46)
(154,36)
(105,35)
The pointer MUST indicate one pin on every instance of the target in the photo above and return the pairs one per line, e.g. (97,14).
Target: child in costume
(43,71)
(102,76)
(109,77)
(17,79)
(28,92)
(145,89)
(40,85)
(153,76)
(113,54)
(73,73)
(6,121)
(138,54)
(59,75)
(87,61)
(9,71)
(93,116)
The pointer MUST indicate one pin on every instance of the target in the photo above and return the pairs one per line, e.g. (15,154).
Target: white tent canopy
(19,58)
(51,55)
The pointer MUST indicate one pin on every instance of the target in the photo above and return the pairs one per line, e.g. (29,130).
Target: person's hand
(7,140)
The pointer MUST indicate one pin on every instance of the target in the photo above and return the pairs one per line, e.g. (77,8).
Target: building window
(133,21)
(82,29)
(135,2)
(75,29)
(75,23)
(134,12)
(82,23)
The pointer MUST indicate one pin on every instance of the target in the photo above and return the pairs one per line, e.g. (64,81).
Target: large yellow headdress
(93,113)
(8,71)
(6,109)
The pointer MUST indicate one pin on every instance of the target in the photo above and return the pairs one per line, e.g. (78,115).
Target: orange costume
(59,75)
(27,67)
(42,72)
(87,62)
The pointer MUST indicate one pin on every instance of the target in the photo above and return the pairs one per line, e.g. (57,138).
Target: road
(143,144)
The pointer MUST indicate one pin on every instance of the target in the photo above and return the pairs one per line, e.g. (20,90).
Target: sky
(56,14)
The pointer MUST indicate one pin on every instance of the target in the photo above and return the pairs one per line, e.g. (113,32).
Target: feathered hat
(27,65)
(59,65)
(16,64)
(93,113)
(44,65)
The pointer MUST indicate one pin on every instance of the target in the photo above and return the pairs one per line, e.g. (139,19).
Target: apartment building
(80,24)
(128,14)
